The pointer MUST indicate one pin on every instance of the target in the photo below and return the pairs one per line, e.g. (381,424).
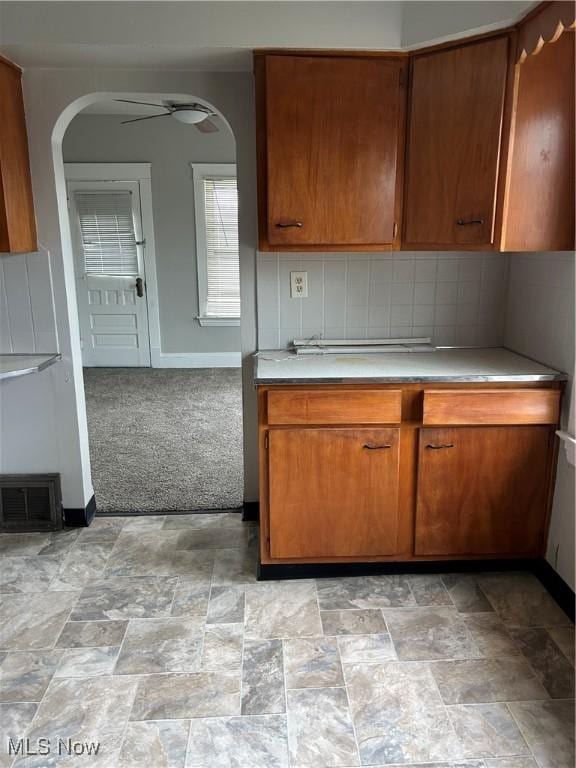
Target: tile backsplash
(456,298)
(27,319)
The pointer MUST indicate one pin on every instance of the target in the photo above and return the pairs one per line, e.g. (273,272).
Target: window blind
(107,230)
(223,269)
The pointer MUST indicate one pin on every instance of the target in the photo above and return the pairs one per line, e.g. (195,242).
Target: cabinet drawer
(335,407)
(502,406)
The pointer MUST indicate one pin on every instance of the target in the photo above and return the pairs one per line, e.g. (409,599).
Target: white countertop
(12,365)
(494,364)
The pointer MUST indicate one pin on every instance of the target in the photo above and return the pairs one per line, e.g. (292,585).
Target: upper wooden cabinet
(539,200)
(17,223)
(330,132)
(455,125)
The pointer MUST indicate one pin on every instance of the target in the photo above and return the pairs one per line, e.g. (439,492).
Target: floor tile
(490,635)
(465,593)
(216,521)
(222,649)
(159,744)
(82,564)
(234,742)
(364,592)
(361,622)
(33,621)
(190,599)
(27,574)
(226,605)
(564,639)
(429,589)
(91,709)
(398,714)
(25,675)
(354,648)
(484,681)
(102,530)
(91,634)
(312,663)
(213,538)
(134,598)
(511,762)
(449,764)
(234,566)
(177,697)
(144,523)
(320,728)
(282,609)
(49,543)
(551,666)
(161,645)
(421,634)
(155,553)
(263,678)
(87,662)
(487,730)
(548,727)
(15,719)
(520,599)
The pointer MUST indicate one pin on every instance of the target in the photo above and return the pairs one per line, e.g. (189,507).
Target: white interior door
(106,224)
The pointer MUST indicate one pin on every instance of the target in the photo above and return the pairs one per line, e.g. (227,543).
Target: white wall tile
(18,302)
(352,295)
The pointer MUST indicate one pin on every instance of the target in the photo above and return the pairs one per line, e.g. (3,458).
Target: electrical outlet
(299,285)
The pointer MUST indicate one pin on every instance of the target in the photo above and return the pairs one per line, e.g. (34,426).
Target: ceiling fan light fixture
(190,115)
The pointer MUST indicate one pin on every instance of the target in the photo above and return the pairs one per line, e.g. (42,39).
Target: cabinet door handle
(438,447)
(466,222)
(286,224)
(377,447)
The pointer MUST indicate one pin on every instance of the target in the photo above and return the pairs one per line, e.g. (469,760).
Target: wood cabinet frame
(410,425)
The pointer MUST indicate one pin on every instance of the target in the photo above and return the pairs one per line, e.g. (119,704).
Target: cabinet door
(332,138)
(539,204)
(456,107)
(333,492)
(17,222)
(482,490)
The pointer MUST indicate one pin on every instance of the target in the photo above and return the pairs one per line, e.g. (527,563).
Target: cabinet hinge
(395,230)
(266,440)
(401,77)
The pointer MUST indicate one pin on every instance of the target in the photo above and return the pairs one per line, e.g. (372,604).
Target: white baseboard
(197,360)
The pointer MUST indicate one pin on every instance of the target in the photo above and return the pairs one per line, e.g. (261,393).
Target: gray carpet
(165,439)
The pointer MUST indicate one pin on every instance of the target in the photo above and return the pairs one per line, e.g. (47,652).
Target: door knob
(139,287)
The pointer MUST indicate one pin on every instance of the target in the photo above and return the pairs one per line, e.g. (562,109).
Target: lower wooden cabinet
(482,490)
(447,473)
(333,492)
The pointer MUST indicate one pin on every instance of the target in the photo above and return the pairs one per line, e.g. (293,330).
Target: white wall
(170,147)
(455,298)
(540,324)
(49,95)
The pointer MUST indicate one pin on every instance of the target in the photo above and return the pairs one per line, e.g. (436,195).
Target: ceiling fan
(191,114)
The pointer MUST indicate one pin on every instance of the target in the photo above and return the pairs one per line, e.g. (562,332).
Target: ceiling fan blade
(144,103)
(148,117)
(207,126)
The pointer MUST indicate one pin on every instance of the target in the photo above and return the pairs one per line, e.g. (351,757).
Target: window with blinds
(107,231)
(222,288)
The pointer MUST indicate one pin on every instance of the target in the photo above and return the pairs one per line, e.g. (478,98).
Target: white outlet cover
(299,285)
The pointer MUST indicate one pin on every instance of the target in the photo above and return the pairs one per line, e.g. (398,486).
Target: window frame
(199,172)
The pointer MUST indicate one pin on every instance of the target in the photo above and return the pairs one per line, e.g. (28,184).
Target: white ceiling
(220,36)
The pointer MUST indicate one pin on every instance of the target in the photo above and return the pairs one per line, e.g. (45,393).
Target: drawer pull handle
(466,222)
(438,447)
(286,224)
(377,447)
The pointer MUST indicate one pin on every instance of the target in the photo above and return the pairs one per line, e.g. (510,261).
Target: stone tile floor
(151,636)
